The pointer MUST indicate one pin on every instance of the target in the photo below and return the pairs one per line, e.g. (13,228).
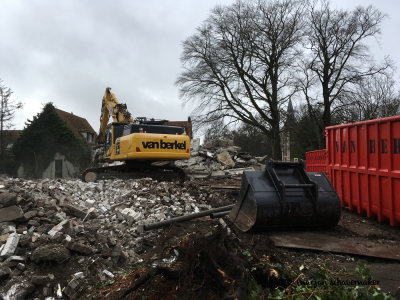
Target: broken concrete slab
(57,228)
(194,160)
(239,171)
(74,211)
(218,174)
(20,290)
(131,214)
(195,145)
(11,213)
(7,227)
(11,245)
(225,159)
(7,199)
(14,260)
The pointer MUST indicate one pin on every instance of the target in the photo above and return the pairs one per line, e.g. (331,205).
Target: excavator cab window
(108,141)
(133,128)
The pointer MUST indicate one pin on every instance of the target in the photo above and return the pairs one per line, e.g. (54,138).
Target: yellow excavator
(137,148)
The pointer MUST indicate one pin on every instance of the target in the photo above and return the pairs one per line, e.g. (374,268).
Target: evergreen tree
(43,137)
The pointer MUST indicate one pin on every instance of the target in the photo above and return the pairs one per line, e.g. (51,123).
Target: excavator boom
(111,107)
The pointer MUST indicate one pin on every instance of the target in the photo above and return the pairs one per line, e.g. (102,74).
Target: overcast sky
(68,51)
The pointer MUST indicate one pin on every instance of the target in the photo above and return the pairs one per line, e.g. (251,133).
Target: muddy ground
(218,256)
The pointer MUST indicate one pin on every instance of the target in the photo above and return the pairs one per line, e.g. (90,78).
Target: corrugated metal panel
(316,161)
(363,163)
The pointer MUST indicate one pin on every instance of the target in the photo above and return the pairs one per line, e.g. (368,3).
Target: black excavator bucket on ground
(284,195)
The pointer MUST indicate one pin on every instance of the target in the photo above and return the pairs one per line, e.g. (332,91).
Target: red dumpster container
(363,164)
(316,161)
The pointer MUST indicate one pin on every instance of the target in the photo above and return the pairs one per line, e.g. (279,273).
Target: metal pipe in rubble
(186,217)
(219,214)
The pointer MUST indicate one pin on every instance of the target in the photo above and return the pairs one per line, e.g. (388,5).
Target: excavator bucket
(284,195)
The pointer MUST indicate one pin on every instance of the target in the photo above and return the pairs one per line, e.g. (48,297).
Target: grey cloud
(69,51)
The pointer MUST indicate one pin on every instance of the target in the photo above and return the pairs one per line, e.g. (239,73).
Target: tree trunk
(276,147)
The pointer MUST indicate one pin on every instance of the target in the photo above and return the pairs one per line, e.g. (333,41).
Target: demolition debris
(219,160)
(59,237)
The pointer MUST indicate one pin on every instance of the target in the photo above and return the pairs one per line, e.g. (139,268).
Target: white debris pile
(219,159)
(53,229)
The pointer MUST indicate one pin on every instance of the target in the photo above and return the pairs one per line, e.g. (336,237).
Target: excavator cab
(113,131)
(145,142)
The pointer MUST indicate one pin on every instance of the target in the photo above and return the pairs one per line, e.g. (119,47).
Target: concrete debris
(71,290)
(108,273)
(7,199)
(225,159)
(79,275)
(11,245)
(57,228)
(30,214)
(11,213)
(214,158)
(87,232)
(50,253)
(21,290)
(195,145)
(7,227)
(59,292)
(74,211)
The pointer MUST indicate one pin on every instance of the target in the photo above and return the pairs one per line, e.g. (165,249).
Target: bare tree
(237,66)
(373,97)
(7,112)
(339,55)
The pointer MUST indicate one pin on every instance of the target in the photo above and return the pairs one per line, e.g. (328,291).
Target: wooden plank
(323,242)
(225,187)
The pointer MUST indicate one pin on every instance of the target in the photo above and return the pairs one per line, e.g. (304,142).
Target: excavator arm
(111,107)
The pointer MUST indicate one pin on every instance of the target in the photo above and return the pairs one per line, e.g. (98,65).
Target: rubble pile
(219,159)
(59,237)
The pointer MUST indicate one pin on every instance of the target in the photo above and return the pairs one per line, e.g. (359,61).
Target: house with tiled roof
(80,126)
(58,142)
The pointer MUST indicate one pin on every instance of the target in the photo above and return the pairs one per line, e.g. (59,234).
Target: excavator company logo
(164,145)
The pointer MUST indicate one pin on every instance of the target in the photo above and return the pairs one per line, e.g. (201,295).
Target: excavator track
(134,171)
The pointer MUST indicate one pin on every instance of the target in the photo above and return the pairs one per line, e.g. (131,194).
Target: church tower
(288,133)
